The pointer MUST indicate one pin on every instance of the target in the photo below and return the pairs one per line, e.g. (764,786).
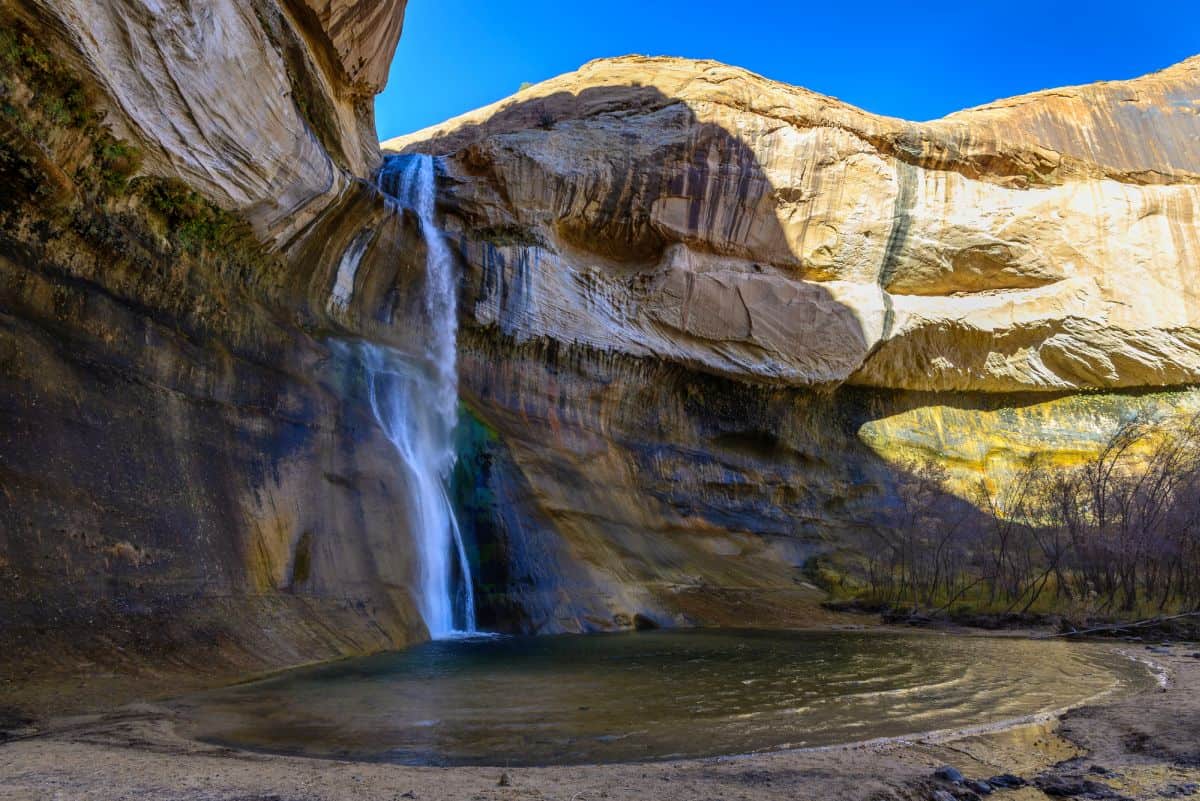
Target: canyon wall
(190,473)
(706,322)
(709,318)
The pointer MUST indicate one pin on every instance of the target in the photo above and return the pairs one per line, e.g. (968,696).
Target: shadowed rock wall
(190,474)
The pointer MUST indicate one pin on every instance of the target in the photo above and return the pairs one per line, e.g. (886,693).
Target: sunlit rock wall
(698,213)
(709,308)
(706,318)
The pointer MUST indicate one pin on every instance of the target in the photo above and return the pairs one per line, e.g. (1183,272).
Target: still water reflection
(652,695)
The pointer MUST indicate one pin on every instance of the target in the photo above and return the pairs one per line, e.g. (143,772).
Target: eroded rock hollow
(704,320)
(709,317)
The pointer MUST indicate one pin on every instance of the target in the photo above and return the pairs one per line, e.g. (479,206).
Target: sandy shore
(1141,746)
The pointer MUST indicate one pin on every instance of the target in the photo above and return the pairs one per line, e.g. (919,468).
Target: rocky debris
(1007,781)
(1180,790)
(962,788)
(13,723)
(957,793)
(948,773)
(1076,787)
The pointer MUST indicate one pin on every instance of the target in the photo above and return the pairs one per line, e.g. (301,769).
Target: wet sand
(1141,746)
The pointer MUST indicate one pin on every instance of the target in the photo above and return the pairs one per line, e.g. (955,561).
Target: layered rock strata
(710,316)
(189,236)
(700,214)
(706,318)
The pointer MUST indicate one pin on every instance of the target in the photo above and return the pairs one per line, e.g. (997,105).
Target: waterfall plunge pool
(580,699)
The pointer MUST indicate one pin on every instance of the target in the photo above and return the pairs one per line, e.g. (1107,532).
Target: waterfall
(416,404)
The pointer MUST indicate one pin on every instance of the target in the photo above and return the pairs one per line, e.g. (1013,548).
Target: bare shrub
(1115,535)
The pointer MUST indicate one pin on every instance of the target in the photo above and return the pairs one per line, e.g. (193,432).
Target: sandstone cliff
(709,316)
(705,318)
(704,215)
(190,474)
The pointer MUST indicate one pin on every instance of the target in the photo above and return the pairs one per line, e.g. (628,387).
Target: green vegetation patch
(194,222)
(76,196)
(45,103)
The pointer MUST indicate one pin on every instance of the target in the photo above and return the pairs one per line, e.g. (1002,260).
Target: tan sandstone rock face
(364,37)
(701,214)
(264,108)
(189,240)
(664,258)
(709,319)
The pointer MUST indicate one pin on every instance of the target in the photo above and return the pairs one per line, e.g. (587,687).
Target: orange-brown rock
(704,317)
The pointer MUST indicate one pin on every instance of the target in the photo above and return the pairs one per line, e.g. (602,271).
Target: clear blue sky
(918,60)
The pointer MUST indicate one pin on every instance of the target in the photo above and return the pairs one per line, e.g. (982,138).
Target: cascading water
(416,404)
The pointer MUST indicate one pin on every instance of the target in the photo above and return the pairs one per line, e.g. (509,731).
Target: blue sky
(918,60)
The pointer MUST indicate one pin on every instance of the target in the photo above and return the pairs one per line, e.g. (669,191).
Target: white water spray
(417,407)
